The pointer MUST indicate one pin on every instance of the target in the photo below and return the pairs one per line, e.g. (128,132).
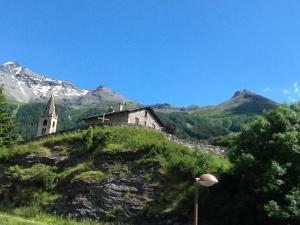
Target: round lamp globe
(207,180)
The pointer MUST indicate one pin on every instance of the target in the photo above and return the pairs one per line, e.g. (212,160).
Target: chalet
(143,116)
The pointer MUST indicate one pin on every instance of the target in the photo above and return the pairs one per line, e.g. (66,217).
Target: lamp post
(206,180)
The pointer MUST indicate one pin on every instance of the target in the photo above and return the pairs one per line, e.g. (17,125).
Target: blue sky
(181,52)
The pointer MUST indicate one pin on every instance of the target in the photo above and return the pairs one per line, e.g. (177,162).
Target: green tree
(266,156)
(7,125)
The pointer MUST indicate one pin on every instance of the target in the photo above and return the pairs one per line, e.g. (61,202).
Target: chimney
(121,105)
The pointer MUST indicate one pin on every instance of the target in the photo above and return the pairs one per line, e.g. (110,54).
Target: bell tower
(48,120)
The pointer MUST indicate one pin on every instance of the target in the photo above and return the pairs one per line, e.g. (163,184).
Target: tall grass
(34,216)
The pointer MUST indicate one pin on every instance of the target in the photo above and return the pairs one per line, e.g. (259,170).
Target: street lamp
(206,180)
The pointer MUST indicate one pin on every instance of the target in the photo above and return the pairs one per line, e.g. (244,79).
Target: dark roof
(129,111)
(50,108)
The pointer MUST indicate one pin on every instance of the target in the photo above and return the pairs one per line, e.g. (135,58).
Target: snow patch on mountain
(23,85)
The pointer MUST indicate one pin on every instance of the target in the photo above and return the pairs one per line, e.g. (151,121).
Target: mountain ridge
(23,85)
(73,104)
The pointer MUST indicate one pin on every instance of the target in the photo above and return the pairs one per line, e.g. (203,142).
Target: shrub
(40,174)
(88,139)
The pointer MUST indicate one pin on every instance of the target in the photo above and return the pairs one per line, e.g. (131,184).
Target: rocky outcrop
(121,197)
(201,144)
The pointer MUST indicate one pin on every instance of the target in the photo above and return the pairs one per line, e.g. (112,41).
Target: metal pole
(103,118)
(196,205)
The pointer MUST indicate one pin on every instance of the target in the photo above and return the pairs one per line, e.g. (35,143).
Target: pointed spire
(50,108)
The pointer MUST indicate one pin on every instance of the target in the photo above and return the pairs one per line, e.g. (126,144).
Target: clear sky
(181,52)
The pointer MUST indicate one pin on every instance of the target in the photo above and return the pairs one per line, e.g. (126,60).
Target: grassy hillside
(222,119)
(29,216)
(119,174)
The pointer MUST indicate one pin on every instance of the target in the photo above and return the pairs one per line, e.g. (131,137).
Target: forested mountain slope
(191,122)
(222,119)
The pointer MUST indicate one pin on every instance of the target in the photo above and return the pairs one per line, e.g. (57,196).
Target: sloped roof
(129,111)
(50,107)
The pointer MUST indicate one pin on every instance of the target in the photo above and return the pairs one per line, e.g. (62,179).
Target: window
(53,124)
(43,131)
(145,123)
(45,123)
(146,114)
(137,121)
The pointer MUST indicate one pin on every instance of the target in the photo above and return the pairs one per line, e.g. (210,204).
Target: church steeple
(48,120)
(50,108)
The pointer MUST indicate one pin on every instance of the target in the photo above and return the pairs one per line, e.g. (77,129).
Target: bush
(88,139)
(40,174)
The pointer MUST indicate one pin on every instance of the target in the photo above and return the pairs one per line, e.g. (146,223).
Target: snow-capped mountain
(23,85)
(100,94)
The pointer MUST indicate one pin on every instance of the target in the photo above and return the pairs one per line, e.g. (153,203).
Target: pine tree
(7,126)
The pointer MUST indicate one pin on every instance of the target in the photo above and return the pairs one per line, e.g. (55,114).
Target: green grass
(124,150)
(95,176)
(81,167)
(118,168)
(32,216)
(39,173)
(35,148)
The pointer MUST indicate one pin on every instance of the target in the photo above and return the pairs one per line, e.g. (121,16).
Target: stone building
(48,120)
(143,116)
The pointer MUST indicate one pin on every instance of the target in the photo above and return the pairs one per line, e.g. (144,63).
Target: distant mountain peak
(101,94)
(103,88)
(246,101)
(24,85)
(243,93)
(11,66)
(10,63)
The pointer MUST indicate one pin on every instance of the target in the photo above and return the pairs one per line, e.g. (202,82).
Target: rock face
(202,144)
(99,95)
(122,198)
(23,85)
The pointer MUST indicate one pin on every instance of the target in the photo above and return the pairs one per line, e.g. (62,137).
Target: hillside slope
(222,119)
(120,174)
(191,122)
